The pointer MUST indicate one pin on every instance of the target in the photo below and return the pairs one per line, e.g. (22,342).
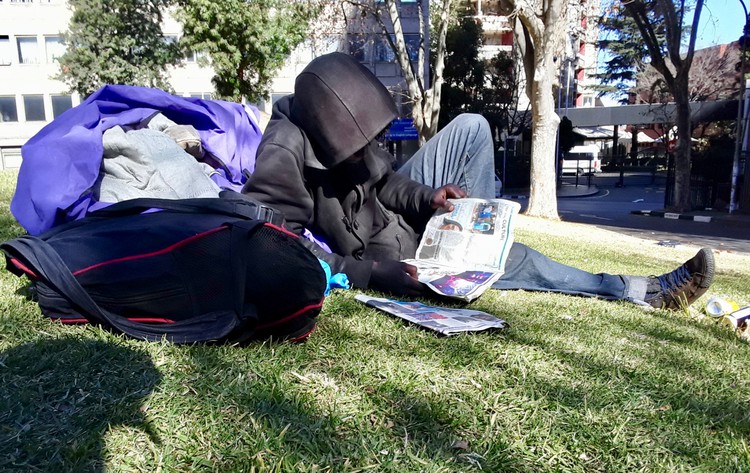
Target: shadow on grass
(59,397)
(677,404)
(288,413)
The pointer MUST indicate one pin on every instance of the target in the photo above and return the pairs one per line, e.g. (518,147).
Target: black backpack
(221,269)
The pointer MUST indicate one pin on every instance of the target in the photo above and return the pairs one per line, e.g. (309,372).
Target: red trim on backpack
(296,314)
(151,320)
(281,229)
(171,247)
(144,320)
(23,268)
(301,337)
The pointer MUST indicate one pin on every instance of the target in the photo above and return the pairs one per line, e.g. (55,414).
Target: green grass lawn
(574,384)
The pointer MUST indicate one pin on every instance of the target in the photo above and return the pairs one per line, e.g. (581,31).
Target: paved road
(611,208)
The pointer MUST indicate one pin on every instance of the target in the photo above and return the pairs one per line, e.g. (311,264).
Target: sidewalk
(563,191)
(741,220)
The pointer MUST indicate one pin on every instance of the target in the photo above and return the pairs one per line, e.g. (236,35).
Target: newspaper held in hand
(463,252)
(440,319)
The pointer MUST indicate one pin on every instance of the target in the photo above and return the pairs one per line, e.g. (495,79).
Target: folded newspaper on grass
(440,319)
(463,252)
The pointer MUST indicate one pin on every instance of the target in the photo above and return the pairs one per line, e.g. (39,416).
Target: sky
(721,22)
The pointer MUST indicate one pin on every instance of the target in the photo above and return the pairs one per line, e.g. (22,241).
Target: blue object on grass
(335,281)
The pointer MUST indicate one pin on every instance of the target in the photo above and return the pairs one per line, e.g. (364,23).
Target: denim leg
(461,154)
(530,270)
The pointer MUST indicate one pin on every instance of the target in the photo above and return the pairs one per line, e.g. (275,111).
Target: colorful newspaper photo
(464,251)
(477,234)
(453,282)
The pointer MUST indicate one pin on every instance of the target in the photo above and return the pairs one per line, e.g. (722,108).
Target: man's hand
(440,198)
(396,278)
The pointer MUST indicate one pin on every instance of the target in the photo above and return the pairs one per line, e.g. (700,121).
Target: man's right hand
(396,278)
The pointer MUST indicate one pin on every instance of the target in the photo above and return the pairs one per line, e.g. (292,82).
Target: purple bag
(61,163)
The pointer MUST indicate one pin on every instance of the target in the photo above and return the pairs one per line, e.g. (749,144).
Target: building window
(61,103)
(195,56)
(28,50)
(357,46)
(6,53)
(202,95)
(8,111)
(383,50)
(412,46)
(34,107)
(54,47)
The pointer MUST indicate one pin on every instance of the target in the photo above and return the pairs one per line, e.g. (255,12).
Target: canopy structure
(597,117)
(626,137)
(595,132)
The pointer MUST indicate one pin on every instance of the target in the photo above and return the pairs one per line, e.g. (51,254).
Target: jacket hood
(341,106)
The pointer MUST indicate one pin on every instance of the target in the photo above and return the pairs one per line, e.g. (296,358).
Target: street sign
(402,129)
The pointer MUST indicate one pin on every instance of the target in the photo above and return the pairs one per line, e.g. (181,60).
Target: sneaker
(683,286)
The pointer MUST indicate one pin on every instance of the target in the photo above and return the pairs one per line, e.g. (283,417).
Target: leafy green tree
(489,87)
(677,19)
(627,54)
(116,42)
(501,96)
(464,76)
(247,41)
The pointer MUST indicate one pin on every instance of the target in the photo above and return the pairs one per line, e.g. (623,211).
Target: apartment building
(579,61)
(584,52)
(497,30)
(30,97)
(31,42)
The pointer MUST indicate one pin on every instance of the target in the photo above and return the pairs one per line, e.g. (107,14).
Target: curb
(673,216)
(507,196)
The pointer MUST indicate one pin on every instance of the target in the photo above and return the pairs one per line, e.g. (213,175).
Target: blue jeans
(462,153)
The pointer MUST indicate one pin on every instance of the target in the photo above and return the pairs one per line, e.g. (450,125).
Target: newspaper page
(463,252)
(440,319)
(453,282)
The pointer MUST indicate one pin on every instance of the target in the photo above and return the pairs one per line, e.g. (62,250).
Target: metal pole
(740,110)
(505,158)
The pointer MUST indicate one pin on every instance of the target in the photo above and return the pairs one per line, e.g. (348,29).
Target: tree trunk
(544,123)
(425,100)
(681,202)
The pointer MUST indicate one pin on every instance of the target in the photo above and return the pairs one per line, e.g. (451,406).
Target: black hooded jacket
(361,208)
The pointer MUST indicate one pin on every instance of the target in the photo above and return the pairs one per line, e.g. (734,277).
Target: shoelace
(674,279)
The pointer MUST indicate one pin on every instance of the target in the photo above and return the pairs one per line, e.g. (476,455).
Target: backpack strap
(229,203)
(48,265)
